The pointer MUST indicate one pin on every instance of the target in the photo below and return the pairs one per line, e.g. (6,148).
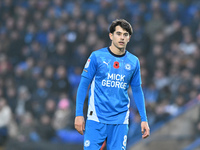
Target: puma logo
(105,63)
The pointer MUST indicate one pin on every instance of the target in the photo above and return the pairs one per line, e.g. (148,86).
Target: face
(120,38)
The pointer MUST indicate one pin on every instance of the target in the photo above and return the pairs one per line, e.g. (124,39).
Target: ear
(111,36)
(129,38)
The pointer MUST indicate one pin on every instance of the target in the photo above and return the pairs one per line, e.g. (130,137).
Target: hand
(145,129)
(79,124)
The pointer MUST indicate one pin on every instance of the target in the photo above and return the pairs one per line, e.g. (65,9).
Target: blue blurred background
(44,45)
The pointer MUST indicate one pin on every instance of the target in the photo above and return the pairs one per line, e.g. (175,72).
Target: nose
(122,37)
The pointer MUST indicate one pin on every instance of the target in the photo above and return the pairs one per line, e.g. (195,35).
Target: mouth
(121,43)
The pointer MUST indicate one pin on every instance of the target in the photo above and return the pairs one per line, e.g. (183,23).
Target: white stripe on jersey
(91,107)
(126,120)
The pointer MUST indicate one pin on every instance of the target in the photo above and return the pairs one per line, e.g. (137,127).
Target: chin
(121,47)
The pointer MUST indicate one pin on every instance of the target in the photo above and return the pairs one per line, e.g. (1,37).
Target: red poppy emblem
(116,65)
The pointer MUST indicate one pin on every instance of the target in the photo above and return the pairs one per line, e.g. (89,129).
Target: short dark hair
(122,23)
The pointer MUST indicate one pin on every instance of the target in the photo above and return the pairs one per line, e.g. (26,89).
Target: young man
(110,71)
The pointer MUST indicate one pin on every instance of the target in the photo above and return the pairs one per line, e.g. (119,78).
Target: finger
(146,134)
(81,132)
(79,129)
(142,130)
(84,126)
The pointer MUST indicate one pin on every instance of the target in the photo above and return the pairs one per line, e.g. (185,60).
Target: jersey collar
(115,54)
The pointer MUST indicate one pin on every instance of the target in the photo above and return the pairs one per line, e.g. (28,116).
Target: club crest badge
(87,143)
(128,67)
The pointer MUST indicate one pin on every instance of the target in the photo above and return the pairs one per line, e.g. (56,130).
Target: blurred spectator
(82,34)
(26,128)
(50,107)
(45,129)
(122,10)
(160,79)
(155,24)
(74,78)
(60,56)
(187,46)
(5,66)
(23,102)
(61,84)
(62,118)
(196,82)
(11,96)
(48,74)
(41,93)
(173,11)
(80,52)
(5,120)
(161,112)
(175,107)
(151,94)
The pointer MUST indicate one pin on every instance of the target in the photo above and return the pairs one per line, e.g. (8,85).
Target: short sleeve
(136,78)
(90,67)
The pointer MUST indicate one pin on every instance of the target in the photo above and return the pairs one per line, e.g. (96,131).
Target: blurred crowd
(44,45)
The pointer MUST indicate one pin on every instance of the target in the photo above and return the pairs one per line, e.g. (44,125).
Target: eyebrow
(121,32)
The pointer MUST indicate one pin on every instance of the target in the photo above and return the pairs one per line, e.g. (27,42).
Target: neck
(116,50)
